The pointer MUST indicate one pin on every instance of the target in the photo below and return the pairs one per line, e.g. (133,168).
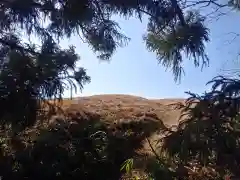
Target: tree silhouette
(171,44)
(208,136)
(28,80)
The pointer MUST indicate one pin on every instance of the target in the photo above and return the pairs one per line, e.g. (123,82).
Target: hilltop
(116,107)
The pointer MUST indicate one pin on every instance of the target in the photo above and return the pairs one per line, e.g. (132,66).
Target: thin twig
(153,150)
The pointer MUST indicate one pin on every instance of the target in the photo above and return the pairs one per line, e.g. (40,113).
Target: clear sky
(133,70)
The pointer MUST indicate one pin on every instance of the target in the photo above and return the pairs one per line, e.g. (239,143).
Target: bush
(69,148)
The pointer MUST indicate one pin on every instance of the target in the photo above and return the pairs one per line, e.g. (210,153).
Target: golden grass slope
(118,107)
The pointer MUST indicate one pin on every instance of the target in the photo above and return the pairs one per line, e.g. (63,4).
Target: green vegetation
(32,74)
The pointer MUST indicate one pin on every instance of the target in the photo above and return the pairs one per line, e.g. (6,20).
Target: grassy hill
(151,115)
(118,107)
(93,136)
(119,127)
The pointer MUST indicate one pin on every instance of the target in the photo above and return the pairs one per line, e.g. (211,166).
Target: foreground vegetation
(79,144)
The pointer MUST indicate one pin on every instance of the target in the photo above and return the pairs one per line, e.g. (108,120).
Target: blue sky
(133,70)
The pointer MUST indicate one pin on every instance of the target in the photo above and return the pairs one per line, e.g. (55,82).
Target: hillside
(147,116)
(120,107)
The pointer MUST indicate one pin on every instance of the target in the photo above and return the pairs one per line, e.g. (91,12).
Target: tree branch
(16,46)
(207,2)
(153,150)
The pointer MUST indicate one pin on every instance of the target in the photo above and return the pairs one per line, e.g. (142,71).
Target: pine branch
(18,47)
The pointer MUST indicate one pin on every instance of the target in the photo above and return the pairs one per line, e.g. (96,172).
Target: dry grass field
(122,107)
(117,109)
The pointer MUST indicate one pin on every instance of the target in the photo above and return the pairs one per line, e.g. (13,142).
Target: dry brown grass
(120,108)
(117,107)
(114,110)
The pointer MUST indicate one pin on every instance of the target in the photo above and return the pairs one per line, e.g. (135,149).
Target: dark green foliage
(71,148)
(159,170)
(206,143)
(172,45)
(210,136)
(32,75)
